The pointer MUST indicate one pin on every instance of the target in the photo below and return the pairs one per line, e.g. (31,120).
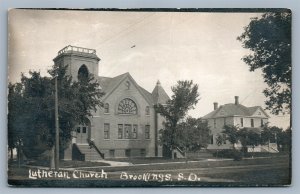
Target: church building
(127,125)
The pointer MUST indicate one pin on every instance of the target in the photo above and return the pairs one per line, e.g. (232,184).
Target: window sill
(131,139)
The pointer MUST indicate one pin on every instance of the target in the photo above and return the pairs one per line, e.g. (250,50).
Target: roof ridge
(103,76)
(232,109)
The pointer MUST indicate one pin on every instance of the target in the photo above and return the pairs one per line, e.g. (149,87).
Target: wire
(253,91)
(120,33)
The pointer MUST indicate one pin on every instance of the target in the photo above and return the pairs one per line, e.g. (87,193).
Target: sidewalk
(115,163)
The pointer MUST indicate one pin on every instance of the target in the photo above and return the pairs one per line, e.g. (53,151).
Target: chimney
(236,100)
(215,105)
(158,83)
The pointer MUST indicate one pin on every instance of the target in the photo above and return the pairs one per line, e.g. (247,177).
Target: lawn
(248,172)
(151,160)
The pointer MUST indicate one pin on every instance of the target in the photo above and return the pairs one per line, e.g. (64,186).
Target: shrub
(234,154)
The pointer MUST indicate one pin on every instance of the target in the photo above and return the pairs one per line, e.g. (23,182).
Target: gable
(221,112)
(126,86)
(259,112)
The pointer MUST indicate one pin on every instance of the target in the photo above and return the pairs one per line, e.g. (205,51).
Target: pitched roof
(147,94)
(109,84)
(253,109)
(233,110)
(159,94)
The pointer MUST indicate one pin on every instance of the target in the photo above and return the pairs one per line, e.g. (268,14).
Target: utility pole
(56,128)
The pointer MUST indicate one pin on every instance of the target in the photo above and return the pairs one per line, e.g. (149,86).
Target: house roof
(233,110)
(108,85)
(159,95)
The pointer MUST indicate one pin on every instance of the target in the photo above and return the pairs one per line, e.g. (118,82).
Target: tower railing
(70,49)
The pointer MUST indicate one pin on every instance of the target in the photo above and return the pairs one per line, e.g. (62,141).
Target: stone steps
(90,153)
(269,149)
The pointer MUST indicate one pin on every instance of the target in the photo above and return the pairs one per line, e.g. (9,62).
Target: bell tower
(80,61)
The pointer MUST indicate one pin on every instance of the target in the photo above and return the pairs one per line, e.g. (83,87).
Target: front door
(82,134)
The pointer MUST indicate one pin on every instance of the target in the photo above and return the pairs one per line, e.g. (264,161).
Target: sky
(169,46)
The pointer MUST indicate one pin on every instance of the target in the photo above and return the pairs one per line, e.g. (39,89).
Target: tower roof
(77,51)
(159,94)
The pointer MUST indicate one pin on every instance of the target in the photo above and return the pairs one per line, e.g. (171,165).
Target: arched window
(127,85)
(106,108)
(127,106)
(83,73)
(147,110)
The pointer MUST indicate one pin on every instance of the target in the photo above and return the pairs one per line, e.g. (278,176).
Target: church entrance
(82,134)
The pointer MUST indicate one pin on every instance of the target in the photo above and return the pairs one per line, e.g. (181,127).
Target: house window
(134,131)
(83,129)
(78,129)
(252,122)
(215,123)
(224,138)
(112,153)
(147,132)
(120,131)
(127,131)
(147,110)
(106,108)
(242,122)
(143,152)
(211,139)
(261,122)
(106,130)
(273,138)
(127,152)
(127,106)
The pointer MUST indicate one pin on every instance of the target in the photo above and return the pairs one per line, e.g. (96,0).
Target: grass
(263,177)
(150,160)
(275,173)
(264,154)
(260,171)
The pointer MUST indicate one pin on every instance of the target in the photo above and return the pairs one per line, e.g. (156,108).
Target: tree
(193,134)
(278,135)
(270,134)
(249,137)
(242,135)
(231,134)
(253,139)
(15,123)
(219,141)
(269,40)
(185,97)
(36,118)
(285,139)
